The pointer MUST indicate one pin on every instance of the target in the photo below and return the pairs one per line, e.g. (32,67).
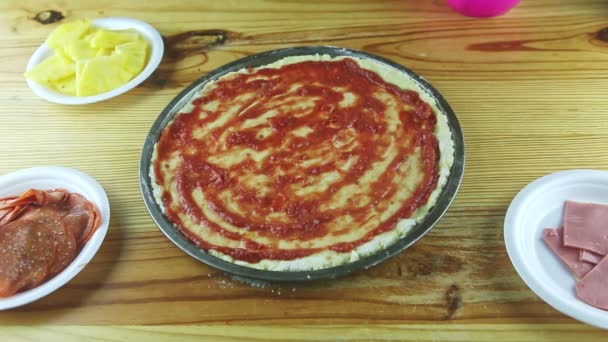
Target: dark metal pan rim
(417,232)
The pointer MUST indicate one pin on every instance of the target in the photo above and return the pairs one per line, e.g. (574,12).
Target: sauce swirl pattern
(282,163)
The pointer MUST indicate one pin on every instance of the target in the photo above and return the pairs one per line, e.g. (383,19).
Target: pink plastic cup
(482,8)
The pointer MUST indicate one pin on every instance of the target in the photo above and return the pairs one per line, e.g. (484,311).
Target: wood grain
(529,89)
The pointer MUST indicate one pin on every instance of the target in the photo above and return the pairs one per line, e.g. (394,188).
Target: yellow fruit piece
(61,52)
(109,39)
(105,51)
(99,75)
(68,32)
(66,86)
(79,49)
(51,69)
(79,69)
(90,34)
(133,55)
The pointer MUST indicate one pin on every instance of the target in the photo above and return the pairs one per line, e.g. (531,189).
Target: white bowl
(541,205)
(52,177)
(156,54)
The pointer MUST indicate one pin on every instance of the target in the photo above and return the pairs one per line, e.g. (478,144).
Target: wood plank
(223,332)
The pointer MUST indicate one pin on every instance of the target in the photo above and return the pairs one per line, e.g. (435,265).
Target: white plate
(540,205)
(52,177)
(156,54)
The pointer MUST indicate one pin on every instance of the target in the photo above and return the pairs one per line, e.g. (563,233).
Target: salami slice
(26,253)
(35,196)
(41,233)
(12,207)
(65,244)
(10,213)
(82,217)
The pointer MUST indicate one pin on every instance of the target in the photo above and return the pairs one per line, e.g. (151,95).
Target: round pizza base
(425,224)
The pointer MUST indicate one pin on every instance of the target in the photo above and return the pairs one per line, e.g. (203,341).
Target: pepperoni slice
(27,250)
(34,196)
(41,233)
(11,207)
(65,245)
(83,218)
(10,213)
(80,216)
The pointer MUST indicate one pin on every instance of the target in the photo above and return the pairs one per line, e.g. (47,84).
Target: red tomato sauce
(361,123)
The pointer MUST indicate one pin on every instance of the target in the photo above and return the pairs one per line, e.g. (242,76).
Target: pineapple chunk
(90,34)
(79,69)
(66,86)
(99,75)
(66,33)
(133,55)
(109,39)
(79,49)
(51,69)
(105,51)
(62,54)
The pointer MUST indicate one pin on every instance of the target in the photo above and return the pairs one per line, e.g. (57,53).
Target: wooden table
(530,91)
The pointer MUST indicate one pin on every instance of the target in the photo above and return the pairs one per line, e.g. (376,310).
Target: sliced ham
(590,257)
(569,256)
(586,226)
(593,288)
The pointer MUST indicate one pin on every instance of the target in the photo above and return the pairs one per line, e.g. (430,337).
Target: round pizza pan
(417,232)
